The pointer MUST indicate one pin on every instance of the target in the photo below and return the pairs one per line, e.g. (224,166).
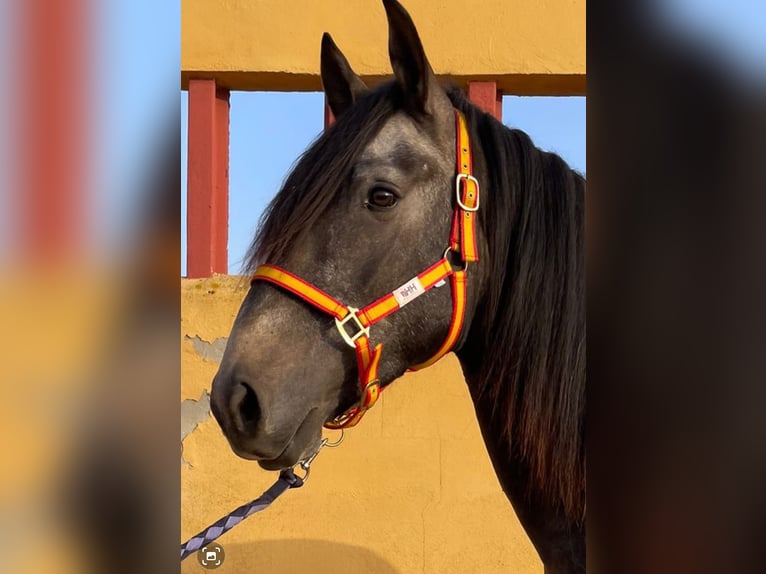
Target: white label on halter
(409,291)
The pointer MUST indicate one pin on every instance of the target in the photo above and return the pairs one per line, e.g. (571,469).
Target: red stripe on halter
(462,239)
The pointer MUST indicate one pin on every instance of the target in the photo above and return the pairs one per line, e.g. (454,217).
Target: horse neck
(525,374)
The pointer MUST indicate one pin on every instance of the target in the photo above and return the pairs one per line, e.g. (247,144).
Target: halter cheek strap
(354,324)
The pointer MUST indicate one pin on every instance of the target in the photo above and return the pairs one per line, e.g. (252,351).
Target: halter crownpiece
(354,324)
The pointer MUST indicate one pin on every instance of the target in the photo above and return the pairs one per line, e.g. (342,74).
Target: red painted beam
(486,96)
(207,212)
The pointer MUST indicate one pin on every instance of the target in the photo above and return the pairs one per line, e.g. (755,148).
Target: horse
(372,203)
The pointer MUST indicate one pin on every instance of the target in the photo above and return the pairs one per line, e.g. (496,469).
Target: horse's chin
(290,457)
(304,443)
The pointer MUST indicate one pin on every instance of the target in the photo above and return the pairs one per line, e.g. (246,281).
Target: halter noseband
(462,240)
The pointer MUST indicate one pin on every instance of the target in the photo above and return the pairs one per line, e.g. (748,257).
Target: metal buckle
(468,177)
(372,383)
(340,323)
(358,408)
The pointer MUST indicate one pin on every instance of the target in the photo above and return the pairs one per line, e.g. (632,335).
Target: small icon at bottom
(211,557)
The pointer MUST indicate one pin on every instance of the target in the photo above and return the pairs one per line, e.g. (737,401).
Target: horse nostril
(246,408)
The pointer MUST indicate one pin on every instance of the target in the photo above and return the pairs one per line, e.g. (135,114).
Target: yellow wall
(411,488)
(528,47)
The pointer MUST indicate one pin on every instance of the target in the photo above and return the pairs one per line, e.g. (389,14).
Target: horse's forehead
(400,136)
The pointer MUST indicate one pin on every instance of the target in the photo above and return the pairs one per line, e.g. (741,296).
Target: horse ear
(341,85)
(408,60)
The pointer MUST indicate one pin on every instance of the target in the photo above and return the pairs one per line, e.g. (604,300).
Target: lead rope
(462,240)
(287,480)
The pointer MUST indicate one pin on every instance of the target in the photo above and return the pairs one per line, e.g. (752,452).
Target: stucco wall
(411,489)
(527,47)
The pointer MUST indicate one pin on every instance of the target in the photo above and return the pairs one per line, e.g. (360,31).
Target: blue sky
(135,88)
(268,131)
(286,123)
(136,60)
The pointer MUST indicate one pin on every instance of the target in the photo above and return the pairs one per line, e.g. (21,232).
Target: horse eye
(381,198)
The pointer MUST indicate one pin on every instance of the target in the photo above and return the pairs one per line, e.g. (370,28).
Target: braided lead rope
(287,479)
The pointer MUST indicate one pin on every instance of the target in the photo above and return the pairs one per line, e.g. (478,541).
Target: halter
(354,324)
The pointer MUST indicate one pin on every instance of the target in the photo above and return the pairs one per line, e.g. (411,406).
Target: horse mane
(531,323)
(314,180)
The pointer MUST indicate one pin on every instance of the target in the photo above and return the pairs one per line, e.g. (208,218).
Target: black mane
(530,326)
(317,176)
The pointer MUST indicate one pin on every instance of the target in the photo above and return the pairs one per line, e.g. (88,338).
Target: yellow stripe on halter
(462,238)
(370,392)
(456,324)
(301,288)
(466,190)
(436,274)
(379,309)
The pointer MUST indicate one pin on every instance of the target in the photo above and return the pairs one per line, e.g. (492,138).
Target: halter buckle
(467,177)
(362,330)
(354,413)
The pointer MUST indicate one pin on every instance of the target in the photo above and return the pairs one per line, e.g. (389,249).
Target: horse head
(369,206)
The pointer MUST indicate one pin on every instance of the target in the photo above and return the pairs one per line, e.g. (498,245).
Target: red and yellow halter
(462,240)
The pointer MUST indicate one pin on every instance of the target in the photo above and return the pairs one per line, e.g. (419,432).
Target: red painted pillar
(207,211)
(487,97)
(51,99)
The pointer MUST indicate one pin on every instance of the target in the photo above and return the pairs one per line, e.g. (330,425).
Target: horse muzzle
(258,429)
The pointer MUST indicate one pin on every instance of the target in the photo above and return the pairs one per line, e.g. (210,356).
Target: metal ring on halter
(337,442)
(306,463)
(465,263)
